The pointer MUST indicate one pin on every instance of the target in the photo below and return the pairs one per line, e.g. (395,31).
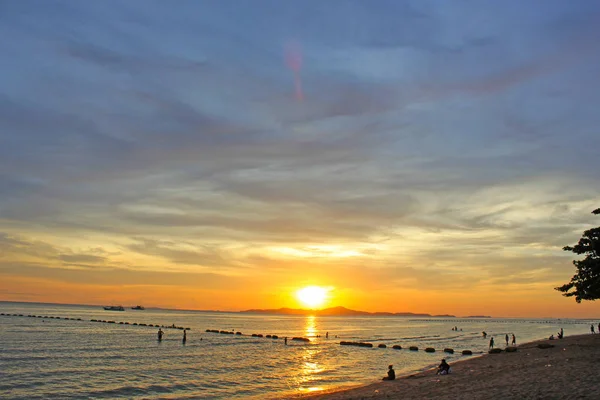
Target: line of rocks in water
(98,320)
(448,350)
(510,349)
(345,343)
(260,335)
(399,347)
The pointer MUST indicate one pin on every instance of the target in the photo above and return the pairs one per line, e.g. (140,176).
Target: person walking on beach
(492,342)
(506,337)
(514,339)
(160,334)
(391,375)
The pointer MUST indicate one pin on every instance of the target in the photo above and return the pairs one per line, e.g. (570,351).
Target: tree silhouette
(586,282)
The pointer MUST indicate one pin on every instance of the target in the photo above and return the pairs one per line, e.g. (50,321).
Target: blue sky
(455,139)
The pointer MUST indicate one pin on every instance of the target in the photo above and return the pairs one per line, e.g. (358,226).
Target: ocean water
(46,358)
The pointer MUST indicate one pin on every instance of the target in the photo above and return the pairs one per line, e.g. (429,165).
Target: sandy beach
(569,370)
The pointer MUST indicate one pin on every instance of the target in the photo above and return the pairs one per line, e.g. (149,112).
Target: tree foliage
(585,284)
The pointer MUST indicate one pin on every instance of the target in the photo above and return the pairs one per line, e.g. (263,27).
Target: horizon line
(249,311)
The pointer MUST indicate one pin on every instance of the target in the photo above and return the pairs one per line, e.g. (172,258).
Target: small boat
(114,308)
(138,308)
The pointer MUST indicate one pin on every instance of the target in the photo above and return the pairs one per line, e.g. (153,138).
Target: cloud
(14,249)
(432,141)
(200,256)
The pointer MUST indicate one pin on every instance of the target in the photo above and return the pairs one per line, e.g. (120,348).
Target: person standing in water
(514,339)
(184,336)
(160,334)
(285,340)
(492,342)
(592,328)
(506,337)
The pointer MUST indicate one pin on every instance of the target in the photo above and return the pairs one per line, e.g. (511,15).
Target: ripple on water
(81,359)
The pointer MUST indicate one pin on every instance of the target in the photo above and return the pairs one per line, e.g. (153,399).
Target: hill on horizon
(338,311)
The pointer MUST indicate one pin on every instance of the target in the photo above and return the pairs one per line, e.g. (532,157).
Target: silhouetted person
(391,374)
(443,368)
(492,342)
(560,334)
(484,334)
(599,327)
(506,337)
(184,337)
(514,340)
(160,334)
(592,329)
(285,340)
(327,335)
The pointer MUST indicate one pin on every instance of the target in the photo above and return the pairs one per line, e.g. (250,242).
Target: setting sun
(312,296)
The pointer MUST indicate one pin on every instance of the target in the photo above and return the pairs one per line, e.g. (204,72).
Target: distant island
(326,312)
(342,311)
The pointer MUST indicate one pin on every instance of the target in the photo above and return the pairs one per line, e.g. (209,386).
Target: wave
(131,391)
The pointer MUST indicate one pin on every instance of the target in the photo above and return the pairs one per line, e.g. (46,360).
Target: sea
(51,351)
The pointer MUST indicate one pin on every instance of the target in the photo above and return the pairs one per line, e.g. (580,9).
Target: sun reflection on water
(311,326)
(311,366)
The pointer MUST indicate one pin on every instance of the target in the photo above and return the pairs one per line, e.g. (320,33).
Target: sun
(312,296)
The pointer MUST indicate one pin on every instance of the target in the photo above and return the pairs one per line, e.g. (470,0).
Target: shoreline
(566,370)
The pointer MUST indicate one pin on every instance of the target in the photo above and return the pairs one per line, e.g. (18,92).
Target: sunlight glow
(312,296)
(319,251)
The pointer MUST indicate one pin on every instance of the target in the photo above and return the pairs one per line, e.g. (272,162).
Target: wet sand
(569,370)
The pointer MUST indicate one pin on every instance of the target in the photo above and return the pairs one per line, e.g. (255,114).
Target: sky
(407,156)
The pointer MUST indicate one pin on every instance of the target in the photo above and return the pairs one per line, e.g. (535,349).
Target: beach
(569,370)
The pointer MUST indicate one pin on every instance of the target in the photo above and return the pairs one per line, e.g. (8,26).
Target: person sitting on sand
(444,368)
(391,374)
(551,337)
